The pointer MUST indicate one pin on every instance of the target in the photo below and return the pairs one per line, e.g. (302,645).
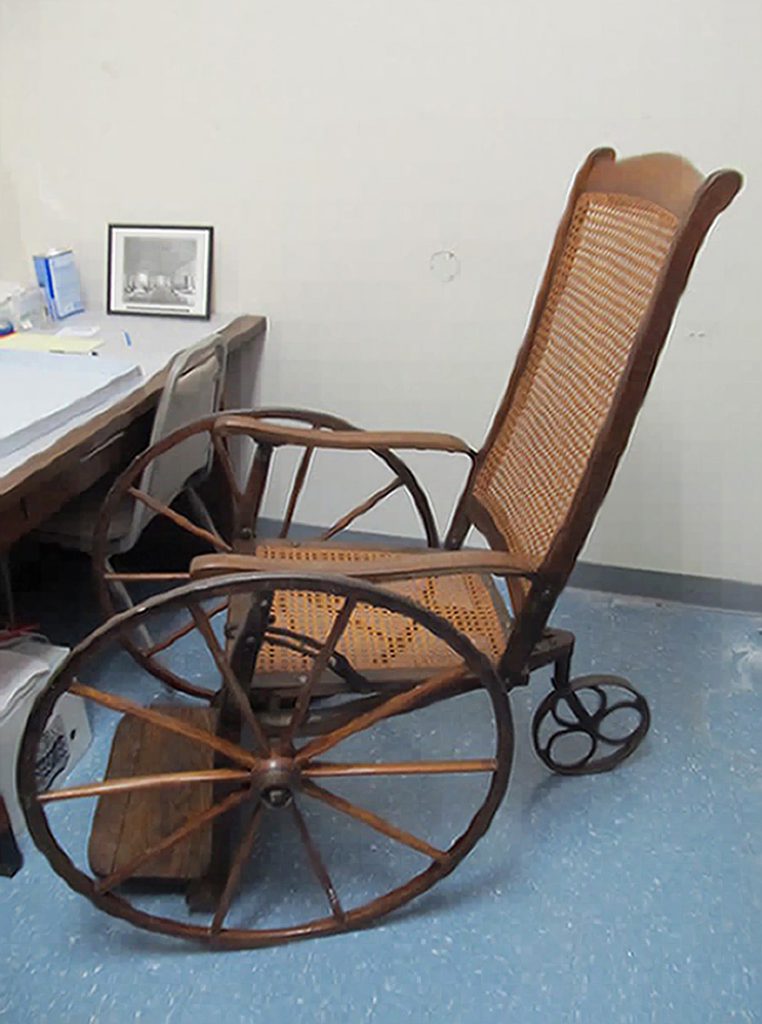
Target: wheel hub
(275,780)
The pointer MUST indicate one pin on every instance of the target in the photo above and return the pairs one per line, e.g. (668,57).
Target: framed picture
(157,270)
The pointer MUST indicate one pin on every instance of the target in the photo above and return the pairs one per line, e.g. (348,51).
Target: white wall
(336,145)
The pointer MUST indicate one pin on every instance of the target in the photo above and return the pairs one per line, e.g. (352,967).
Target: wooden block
(126,824)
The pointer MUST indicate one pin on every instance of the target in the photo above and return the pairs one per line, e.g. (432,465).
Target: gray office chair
(193,389)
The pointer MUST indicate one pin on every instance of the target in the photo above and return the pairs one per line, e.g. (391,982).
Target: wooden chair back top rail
(666,179)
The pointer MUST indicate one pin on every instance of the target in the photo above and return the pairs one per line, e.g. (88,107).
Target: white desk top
(155,340)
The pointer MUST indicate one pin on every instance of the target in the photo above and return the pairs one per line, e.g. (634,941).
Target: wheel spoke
(170,841)
(133,783)
(178,519)
(299,480)
(190,732)
(361,509)
(374,821)
(178,634)
(221,450)
(573,732)
(201,512)
(250,499)
(228,675)
(328,770)
(318,667)
(631,705)
(316,862)
(236,869)
(166,675)
(399,704)
(559,719)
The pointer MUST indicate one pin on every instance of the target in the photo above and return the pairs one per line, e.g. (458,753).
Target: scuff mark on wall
(444,265)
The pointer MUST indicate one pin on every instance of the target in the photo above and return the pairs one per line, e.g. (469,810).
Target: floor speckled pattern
(629,897)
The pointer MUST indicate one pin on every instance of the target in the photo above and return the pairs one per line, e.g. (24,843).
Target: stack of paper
(25,341)
(41,391)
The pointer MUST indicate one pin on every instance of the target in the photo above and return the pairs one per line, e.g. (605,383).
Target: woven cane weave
(376,638)
(614,251)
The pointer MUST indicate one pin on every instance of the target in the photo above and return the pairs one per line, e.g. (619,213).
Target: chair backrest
(193,390)
(620,261)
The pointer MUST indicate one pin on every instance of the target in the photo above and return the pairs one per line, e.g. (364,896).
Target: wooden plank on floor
(126,824)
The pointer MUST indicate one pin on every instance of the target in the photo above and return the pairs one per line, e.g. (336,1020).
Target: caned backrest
(619,264)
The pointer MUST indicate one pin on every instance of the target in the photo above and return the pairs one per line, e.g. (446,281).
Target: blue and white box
(57,274)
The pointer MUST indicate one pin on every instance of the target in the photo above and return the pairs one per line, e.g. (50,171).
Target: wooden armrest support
(268,433)
(398,566)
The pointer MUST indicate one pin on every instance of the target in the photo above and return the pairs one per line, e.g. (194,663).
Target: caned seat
(377,641)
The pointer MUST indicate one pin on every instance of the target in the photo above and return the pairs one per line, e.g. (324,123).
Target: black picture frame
(160,270)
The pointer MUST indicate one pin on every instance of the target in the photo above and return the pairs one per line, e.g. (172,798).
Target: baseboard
(730,595)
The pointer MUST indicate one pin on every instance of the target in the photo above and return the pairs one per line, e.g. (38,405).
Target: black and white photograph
(160,271)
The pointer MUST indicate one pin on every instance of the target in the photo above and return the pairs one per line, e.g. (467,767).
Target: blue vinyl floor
(634,896)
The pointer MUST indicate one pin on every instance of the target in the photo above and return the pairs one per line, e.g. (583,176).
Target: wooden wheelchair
(333,719)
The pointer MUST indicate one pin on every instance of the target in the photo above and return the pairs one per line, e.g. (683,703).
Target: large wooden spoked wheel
(322,811)
(231,522)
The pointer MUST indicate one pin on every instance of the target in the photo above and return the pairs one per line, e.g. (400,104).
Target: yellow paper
(26,341)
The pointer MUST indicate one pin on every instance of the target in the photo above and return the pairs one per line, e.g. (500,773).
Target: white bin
(24,672)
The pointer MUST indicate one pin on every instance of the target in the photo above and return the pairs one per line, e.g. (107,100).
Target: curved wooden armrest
(362,440)
(396,565)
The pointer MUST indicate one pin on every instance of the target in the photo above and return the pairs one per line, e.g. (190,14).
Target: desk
(73,459)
